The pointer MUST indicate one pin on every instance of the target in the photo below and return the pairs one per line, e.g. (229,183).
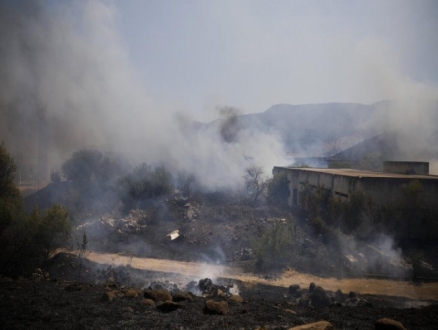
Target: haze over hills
(323,130)
(309,129)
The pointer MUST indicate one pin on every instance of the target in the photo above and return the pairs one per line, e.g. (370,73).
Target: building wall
(383,191)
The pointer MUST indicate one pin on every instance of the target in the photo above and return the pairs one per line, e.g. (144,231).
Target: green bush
(52,228)
(144,184)
(278,189)
(90,166)
(83,166)
(25,240)
(274,245)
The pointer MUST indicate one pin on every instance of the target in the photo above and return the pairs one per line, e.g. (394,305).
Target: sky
(196,56)
(131,76)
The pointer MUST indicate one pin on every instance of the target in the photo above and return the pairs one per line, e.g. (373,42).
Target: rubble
(173,235)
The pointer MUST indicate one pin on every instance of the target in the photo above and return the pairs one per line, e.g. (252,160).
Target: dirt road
(195,270)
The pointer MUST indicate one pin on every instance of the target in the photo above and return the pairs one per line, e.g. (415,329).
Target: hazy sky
(197,55)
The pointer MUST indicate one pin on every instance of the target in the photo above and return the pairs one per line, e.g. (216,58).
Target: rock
(339,295)
(205,284)
(319,298)
(131,293)
(220,293)
(180,296)
(352,294)
(108,296)
(148,302)
(157,295)
(236,298)
(320,325)
(388,324)
(311,287)
(216,307)
(168,306)
(293,289)
(290,311)
(304,300)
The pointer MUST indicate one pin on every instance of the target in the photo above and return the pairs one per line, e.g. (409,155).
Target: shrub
(25,240)
(278,189)
(144,184)
(52,228)
(273,246)
(10,198)
(416,258)
(83,166)
(352,211)
(55,176)
(318,224)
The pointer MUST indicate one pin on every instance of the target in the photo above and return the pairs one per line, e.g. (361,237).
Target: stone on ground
(236,298)
(216,307)
(293,289)
(319,298)
(157,295)
(168,306)
(388,324)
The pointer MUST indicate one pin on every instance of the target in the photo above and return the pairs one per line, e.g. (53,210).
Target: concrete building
(382,187)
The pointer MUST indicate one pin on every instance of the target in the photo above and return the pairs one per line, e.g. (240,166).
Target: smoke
(412,112)
(66,75)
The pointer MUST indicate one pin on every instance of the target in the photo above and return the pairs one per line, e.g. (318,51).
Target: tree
(144,184)
(255,183)
(10,198)
(55,177)
(83,166)
(278,189)
(52,227)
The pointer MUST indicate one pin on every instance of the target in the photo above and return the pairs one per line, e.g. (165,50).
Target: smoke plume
(67,82)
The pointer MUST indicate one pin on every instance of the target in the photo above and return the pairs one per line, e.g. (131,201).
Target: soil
(216,238)
(65,299)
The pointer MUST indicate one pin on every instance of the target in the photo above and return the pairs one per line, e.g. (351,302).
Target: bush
(83,166)
(52,228)
(90,166)
(278,189)
(273,246)
(416,258)
(353,209)
(55,177)
(144,184)
(25,240)
(10,198)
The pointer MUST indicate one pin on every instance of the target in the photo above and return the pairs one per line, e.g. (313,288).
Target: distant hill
(310,129)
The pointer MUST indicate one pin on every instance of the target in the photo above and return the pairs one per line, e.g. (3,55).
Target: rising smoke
(67,77)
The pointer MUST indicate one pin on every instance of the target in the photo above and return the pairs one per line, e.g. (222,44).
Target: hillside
(309,129)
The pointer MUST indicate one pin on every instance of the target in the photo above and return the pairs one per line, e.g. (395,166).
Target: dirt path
(424,291)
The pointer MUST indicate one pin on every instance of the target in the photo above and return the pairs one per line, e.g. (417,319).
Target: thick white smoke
(65,71)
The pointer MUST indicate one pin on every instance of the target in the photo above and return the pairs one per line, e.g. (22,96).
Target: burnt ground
(216,231)
(64,301)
